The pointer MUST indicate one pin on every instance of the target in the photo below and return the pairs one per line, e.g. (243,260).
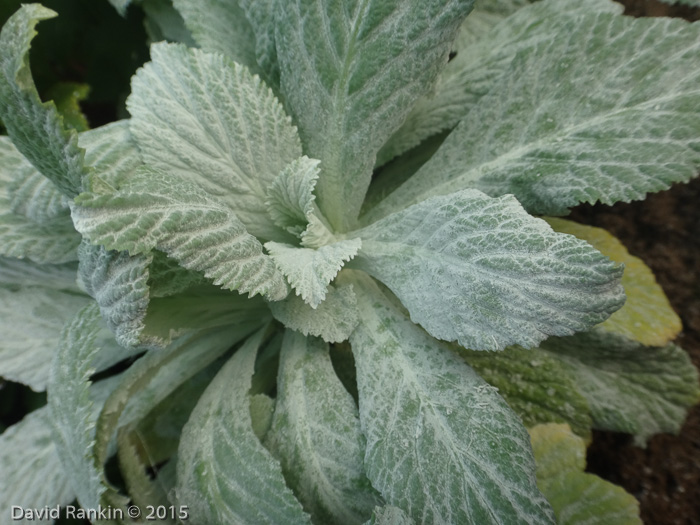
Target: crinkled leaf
(261,15)
(31,320)
(201,118)
(119,284)
(333,321)
(310,271)
(51,243)
(167,277)
(576,496)
(70,406)
(225,475)
(647,316)
(220,26)
(32,474)
(290,199)
(442,445)
(632,388)
(111,150)
(36,128)
(350,72)
(157,211)
(562,125)
(389,515)
(316,435)
(535,385)
(483,272)
(15,273)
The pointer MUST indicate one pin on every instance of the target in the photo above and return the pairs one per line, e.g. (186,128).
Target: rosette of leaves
(317,232)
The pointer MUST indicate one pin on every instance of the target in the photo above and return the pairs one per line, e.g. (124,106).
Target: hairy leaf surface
(157,211)
(36,128)
(483,272)
(442,445)
(350,72)
(632,388)
(201,118)
(225,474)
(310,271)
(316,435)
(563,126)
(290,200)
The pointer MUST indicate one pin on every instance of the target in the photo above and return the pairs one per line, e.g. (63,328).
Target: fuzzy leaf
(629,387)
(70,406)
(485,46)
(261,15)
(220,26)
(576,496)
(67,97)
(52,243)
(32,474)
(481,271)
(389,515)
(15,273)
(31,320)
(203,119)
(310,271)
(290,199)
(535,385)
(647,316)
(36,128)
(119,284)
(350,73)
(333,321)
(164,22)
(316,435)
(436,432)
(225,475)
(157,211)
(562,126)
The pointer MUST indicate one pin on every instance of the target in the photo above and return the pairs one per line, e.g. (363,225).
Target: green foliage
(299,344)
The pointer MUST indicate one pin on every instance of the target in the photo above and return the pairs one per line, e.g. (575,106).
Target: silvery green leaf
(350,72)
(36,128)
(201,118)
(32,474)
(333,321)
(262,408)
(310,271)
(70,407)
(20,237)
(112,153)
(261,15)
(15,273)
(488,41)
(31,320)
(151,379)
(389,515)
(316,435)
(632,388)
(220,26)
(535,385)
(157,211)
(225,475)
(442,445)
(119,284)
(481,271)
(562,126)
(167,277)
(290,198)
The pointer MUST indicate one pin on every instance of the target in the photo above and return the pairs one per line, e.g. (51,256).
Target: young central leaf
(483,272)
(351,72)
(201,118)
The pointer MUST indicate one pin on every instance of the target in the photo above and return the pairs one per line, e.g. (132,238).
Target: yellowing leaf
(647,316)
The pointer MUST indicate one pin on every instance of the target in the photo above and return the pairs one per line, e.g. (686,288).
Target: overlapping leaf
(225,475)
(483,272)
(562,125)
(203,119)
(629,387)
(350,73)
(442,445)
(316,435)
(157,211)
